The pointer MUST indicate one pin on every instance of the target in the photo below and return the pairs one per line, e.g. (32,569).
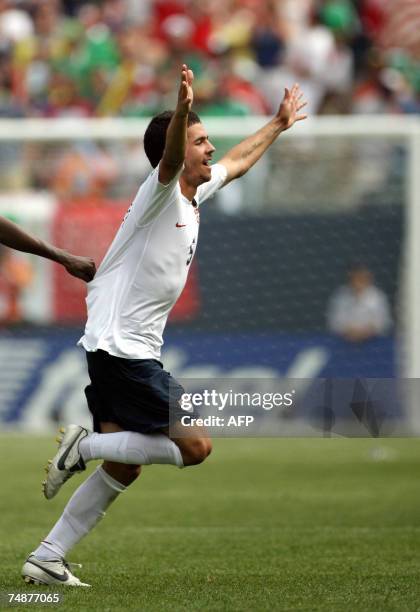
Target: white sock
(84,510)
(130,447)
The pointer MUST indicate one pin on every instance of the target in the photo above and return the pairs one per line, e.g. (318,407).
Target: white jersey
(145,269)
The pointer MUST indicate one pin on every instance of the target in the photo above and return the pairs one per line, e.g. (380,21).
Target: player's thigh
(122,472)
(195,446)
(108,427)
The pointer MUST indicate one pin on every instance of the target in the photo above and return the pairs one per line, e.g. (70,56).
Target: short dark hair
(155,134)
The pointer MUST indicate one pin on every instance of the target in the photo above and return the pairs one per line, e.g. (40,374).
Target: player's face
(198,155)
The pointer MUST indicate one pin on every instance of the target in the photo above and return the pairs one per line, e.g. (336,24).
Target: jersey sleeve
(153,197)
(207,190)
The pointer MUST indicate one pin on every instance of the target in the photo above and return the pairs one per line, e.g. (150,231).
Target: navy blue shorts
(137,394)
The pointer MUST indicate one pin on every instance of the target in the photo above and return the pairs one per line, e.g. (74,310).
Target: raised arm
(176,136)
(11,235)
(242,157)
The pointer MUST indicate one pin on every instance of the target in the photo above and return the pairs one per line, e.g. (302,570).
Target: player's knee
(197,451)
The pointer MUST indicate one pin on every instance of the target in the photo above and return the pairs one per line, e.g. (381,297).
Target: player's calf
(126,474)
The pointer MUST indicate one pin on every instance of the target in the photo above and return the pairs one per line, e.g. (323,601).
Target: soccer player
(137,284)
(11,235)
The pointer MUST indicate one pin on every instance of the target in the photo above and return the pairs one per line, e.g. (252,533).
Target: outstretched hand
(290,106)
(185,93)
(80,267)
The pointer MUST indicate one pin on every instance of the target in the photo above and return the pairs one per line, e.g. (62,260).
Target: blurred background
(306,267)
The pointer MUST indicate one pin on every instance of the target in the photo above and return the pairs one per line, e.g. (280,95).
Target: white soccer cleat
(35,571)
(66,462)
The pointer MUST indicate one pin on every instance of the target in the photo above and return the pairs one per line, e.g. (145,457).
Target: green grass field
(271,524)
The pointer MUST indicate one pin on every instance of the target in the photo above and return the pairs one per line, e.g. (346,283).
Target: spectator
(15,24)
(12,171)
(15,275)
(308,59)
(268,37)
(359,310)
(83,173)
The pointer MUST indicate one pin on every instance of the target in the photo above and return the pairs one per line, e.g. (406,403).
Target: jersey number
(191,251)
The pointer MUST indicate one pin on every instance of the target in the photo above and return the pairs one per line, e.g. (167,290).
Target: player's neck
(187,189)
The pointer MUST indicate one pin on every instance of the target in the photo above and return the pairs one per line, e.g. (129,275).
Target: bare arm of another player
(242,157)
(176,136)
(11,235)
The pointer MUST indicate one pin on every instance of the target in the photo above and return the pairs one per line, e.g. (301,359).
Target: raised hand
(185,93)
(290,106)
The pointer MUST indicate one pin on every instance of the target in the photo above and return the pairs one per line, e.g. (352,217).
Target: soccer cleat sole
(35,581)
(59,440)
(50,465)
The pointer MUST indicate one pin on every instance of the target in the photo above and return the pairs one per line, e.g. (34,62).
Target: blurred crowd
(121,57)
(91,58)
